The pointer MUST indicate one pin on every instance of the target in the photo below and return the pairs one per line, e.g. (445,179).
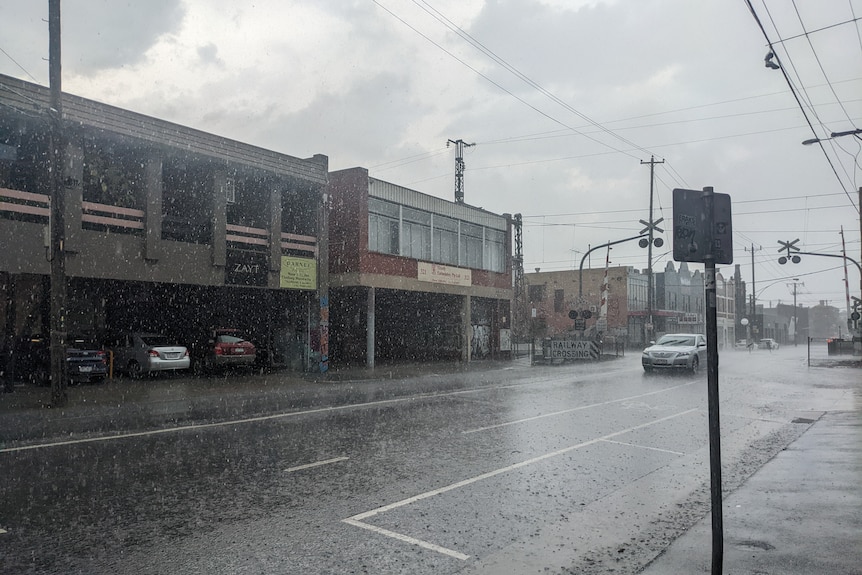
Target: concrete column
(275,230)
(466,328)
(153,190)
(73,184)
(219,221)
(9,334)
(370,330)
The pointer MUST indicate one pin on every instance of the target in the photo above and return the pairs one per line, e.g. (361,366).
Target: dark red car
(224,347)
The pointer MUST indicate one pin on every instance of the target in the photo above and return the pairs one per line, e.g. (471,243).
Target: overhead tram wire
(517,73)
(798,100)
(23,69)
(477,72)
(819,63)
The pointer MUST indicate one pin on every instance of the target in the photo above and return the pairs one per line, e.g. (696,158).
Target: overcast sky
(564,99)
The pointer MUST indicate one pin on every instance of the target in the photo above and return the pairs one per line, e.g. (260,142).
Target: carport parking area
(277,322)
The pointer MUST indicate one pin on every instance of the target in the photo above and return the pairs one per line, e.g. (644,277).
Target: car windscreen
(156,341)
(224,338)
(676,341)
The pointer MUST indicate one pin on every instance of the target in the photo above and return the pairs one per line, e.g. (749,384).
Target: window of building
(472,240)
(416,230)
(383,227)
(445,240)
(421,235)
(536,293)
(559,295)
(495,250)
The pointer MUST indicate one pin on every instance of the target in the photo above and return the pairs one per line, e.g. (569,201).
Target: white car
(685,351)
(767,343)
(141,353)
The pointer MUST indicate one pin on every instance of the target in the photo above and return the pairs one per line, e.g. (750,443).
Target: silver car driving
(676,351)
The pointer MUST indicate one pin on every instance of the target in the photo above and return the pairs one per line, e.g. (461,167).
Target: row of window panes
(480,248)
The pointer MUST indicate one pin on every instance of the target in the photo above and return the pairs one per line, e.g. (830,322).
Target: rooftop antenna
(459,168)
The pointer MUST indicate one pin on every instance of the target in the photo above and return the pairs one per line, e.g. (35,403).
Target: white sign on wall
(448,275)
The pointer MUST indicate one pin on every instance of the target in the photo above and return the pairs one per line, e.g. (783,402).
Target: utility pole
(459,168)
(648,326)
(794,285)
(57,222)
(753,299)
(846,279)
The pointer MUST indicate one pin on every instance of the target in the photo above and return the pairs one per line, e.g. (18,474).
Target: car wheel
(647,370)
(135,370)
(695,364)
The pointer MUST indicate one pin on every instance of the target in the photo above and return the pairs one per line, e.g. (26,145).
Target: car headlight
(683,354)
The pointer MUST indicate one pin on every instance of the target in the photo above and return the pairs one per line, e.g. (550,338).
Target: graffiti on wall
(480,342)
(324,334)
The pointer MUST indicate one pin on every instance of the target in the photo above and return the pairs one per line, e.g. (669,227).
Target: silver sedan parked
(676,351)
(141,353)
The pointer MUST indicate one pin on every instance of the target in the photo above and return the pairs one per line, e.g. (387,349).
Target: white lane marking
(118,436)
(2,531)
(315,464)
(579,408)
(643,447)
(408,539)
(358,520)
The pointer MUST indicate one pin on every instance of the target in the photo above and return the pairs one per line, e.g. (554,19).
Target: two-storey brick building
(414,276)
(167,228)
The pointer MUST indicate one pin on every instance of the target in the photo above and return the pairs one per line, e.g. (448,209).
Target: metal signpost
(702,233)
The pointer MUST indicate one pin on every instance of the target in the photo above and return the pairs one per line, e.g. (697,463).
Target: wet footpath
(800,514)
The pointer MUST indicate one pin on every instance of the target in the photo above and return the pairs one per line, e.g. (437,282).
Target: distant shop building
(415,277)
(679,298)
(167,228)
(552,296)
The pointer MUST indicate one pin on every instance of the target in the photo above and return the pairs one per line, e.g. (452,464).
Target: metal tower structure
(459,168)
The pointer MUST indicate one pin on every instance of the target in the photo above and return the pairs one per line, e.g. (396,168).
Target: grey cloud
(102,34)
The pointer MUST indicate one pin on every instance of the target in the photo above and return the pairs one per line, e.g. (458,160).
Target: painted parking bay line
(359,519)
(315,464)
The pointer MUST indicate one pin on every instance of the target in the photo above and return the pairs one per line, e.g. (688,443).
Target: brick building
(415,277)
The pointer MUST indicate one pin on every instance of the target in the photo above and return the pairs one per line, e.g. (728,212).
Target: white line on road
(315,464)
(643,447)
(358,520)
(579,408)
(181,428)
(408,539)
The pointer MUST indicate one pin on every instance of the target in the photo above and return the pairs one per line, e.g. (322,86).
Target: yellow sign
(298,273)
(440,274)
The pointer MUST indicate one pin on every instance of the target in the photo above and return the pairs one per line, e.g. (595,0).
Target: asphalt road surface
(577,468)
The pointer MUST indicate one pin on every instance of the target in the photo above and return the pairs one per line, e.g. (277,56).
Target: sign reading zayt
(571,349)
(691,231)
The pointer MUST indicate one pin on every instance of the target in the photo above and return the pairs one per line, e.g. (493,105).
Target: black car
(86,361)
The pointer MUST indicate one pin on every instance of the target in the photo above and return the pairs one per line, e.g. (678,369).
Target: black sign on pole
(702,233)
(691,231)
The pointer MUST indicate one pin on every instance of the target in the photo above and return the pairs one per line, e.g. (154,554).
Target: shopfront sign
(448,275)
(246,268)
(298,273)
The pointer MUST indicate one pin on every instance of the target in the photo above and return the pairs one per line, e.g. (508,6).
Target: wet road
(578,468)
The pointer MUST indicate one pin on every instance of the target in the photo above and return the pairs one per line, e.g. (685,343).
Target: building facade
(552,296)
(679,298)
(167,228)
(415,277)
